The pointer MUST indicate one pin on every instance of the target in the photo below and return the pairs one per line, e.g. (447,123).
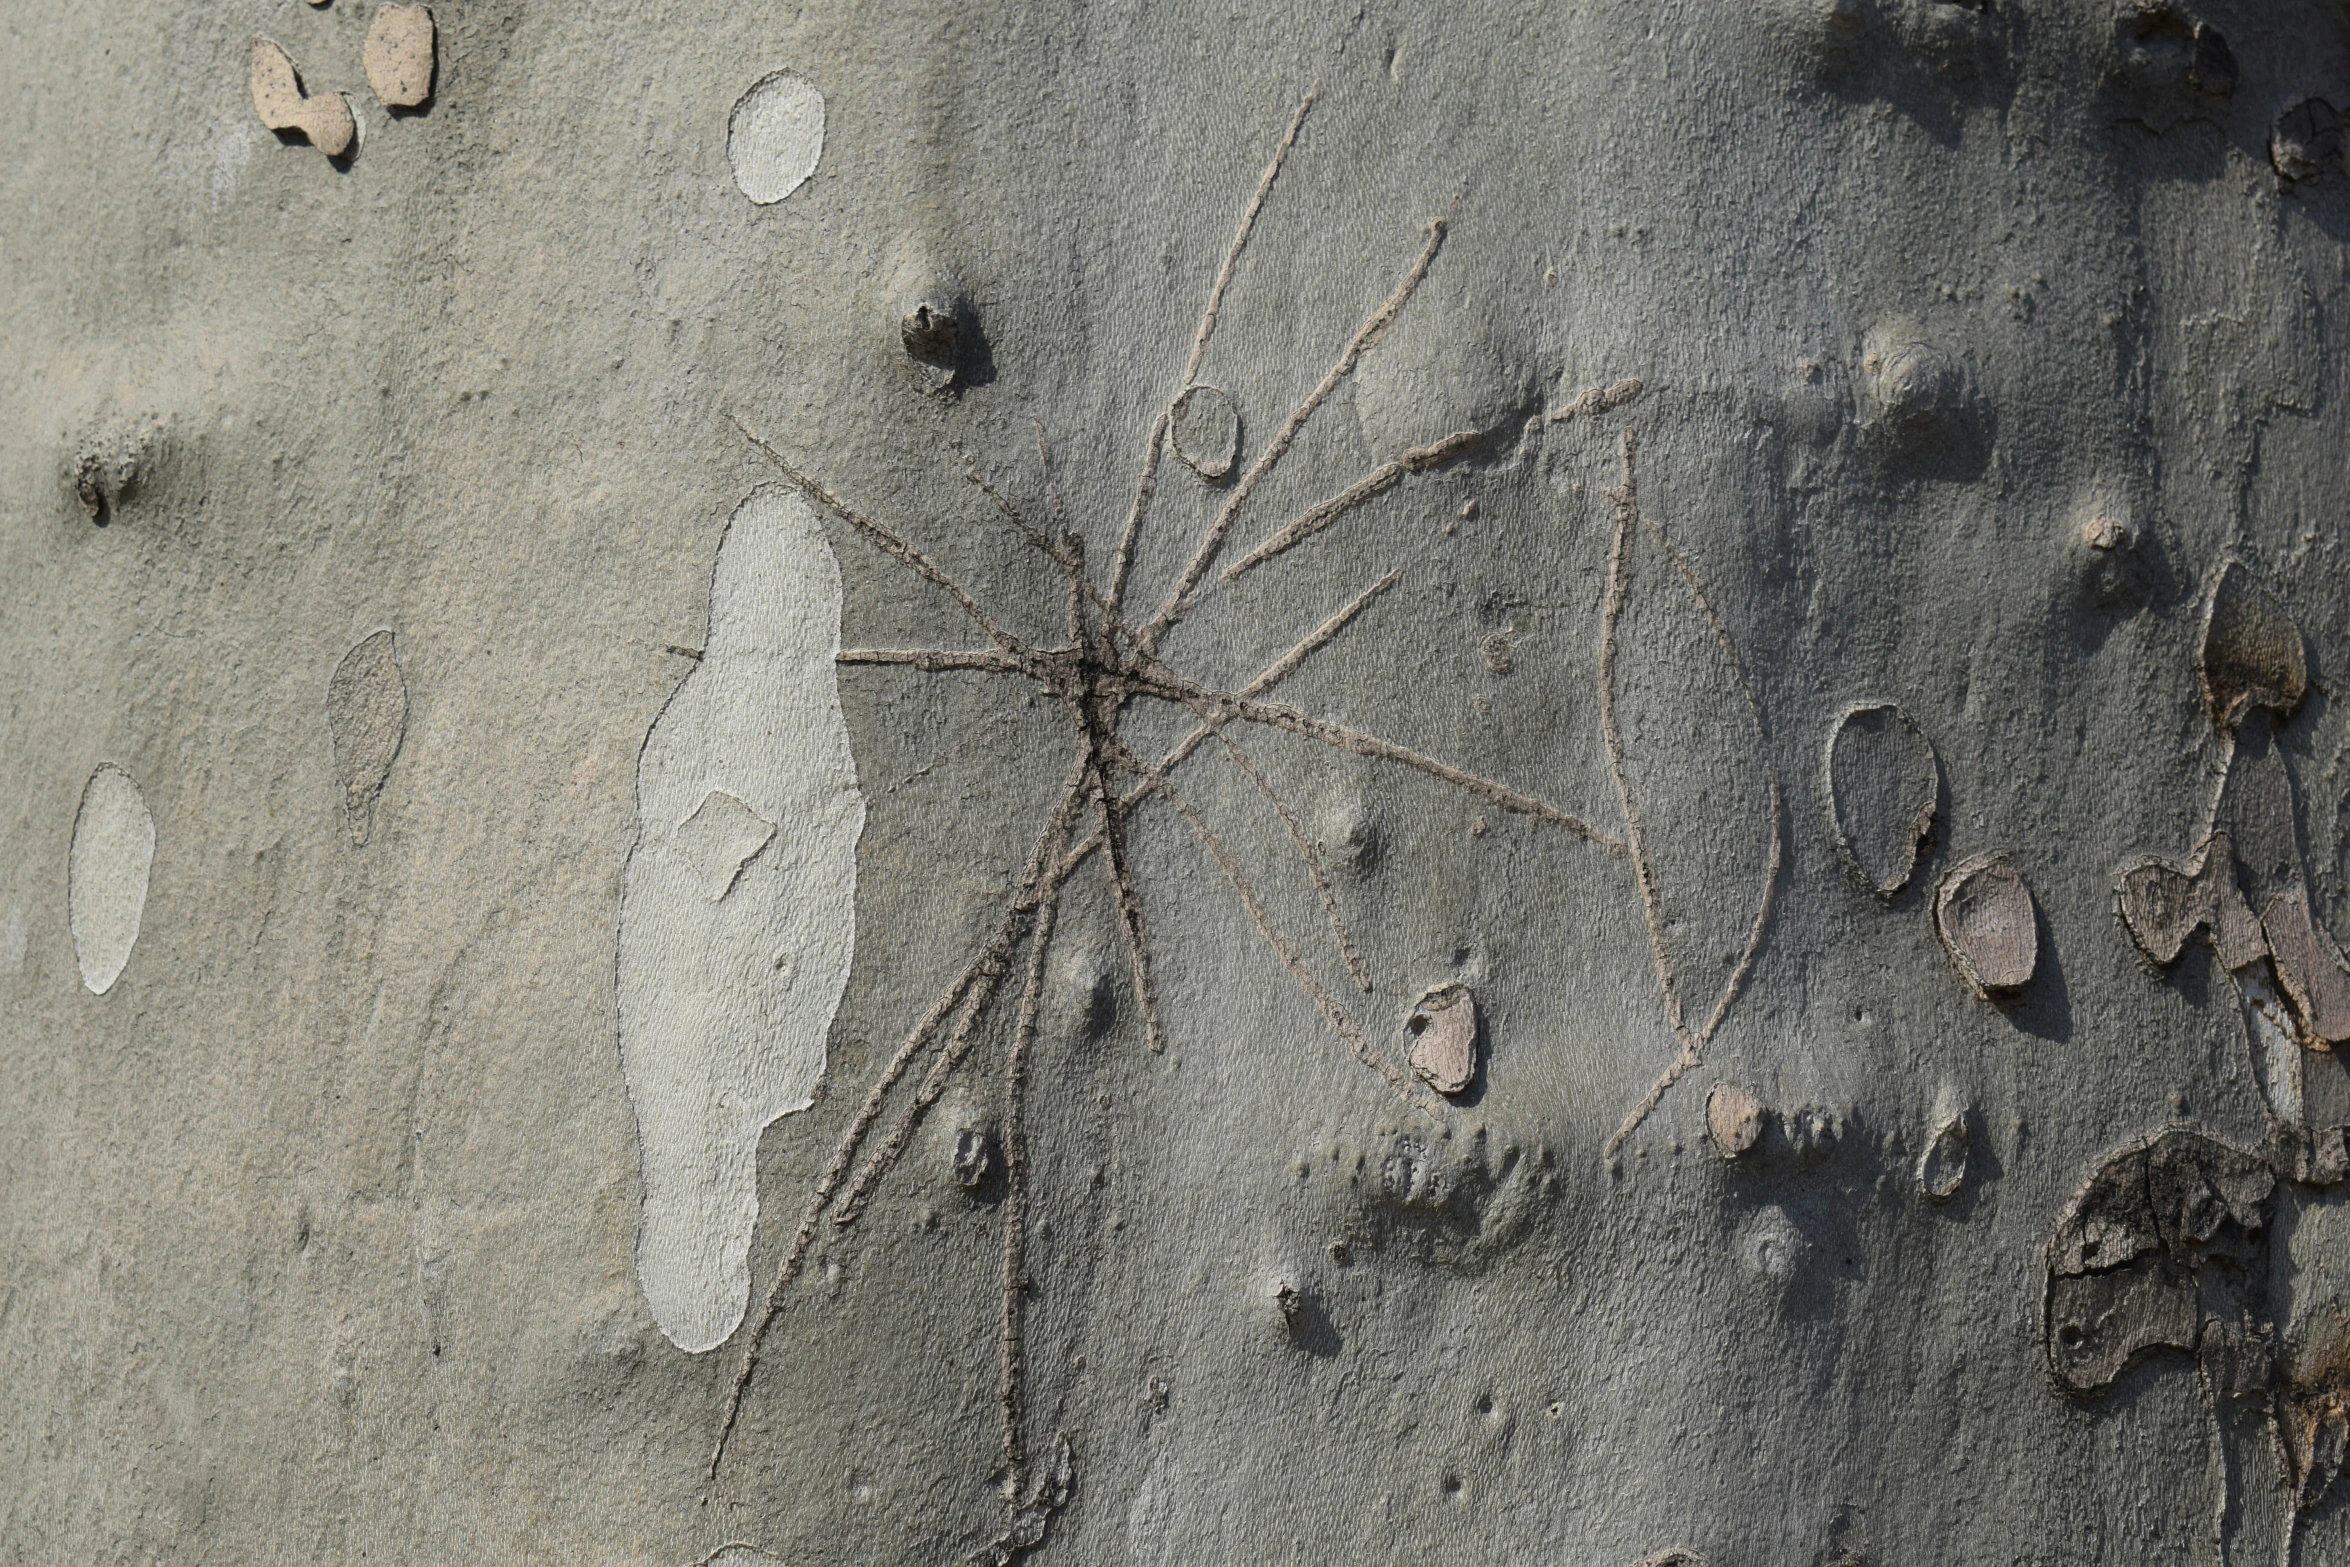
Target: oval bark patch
(738,909)
(106,875)
(1883,783)
(775,136)
(1984,914)
(2251,655)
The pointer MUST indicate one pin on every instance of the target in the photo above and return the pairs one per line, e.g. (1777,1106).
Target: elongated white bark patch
(775,136)
(106,875)
(738,913)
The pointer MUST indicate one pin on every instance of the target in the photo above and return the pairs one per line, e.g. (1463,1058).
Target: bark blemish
(1205,427)
(1984,914)
(2105,534)
(323,119)
(366,719)
(1769,1246)
(937,330)
(1883,783)
(399,56)
(1443,1031)
(1593,401)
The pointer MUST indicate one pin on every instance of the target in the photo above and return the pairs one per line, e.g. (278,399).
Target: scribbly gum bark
(1602,805)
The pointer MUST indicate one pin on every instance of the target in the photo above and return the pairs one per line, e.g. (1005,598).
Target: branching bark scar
(1110,663)
(1629,521)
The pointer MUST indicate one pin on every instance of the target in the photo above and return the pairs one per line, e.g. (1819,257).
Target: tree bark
(1147,785)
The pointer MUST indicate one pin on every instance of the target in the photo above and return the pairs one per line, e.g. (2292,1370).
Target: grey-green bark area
(1970,341)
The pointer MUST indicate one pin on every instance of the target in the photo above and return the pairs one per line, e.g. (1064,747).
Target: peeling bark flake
(1733,1119)
(1985,916)
(399,56)
(2251,654)
(1444,1038)
(324,119)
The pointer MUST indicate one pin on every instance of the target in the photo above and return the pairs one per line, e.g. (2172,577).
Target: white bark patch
(106,875)
(366,718)
(720,838)
(774,137)
(738,913)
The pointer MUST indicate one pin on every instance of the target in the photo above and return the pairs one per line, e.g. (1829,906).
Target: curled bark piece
(1734,1120)
(2251,655)
(1883,784)
(325,118)
(1205,427)
(400,56)
(1984,915)
(1942,1169)
(2310,966)
(2164,904)
(2125,1255)
(1443,1027)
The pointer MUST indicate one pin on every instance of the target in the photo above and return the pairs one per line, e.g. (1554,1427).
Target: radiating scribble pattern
(1111,662)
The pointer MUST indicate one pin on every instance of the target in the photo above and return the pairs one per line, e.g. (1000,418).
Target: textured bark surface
(1803,449)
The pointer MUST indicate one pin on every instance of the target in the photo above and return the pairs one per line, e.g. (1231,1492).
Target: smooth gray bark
(1797,445)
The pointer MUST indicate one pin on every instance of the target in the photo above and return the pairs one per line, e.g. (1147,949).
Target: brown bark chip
(400,56)
(1984,914)
(2164,905)
(324,118)
(1444,1038)
(1733,1119)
